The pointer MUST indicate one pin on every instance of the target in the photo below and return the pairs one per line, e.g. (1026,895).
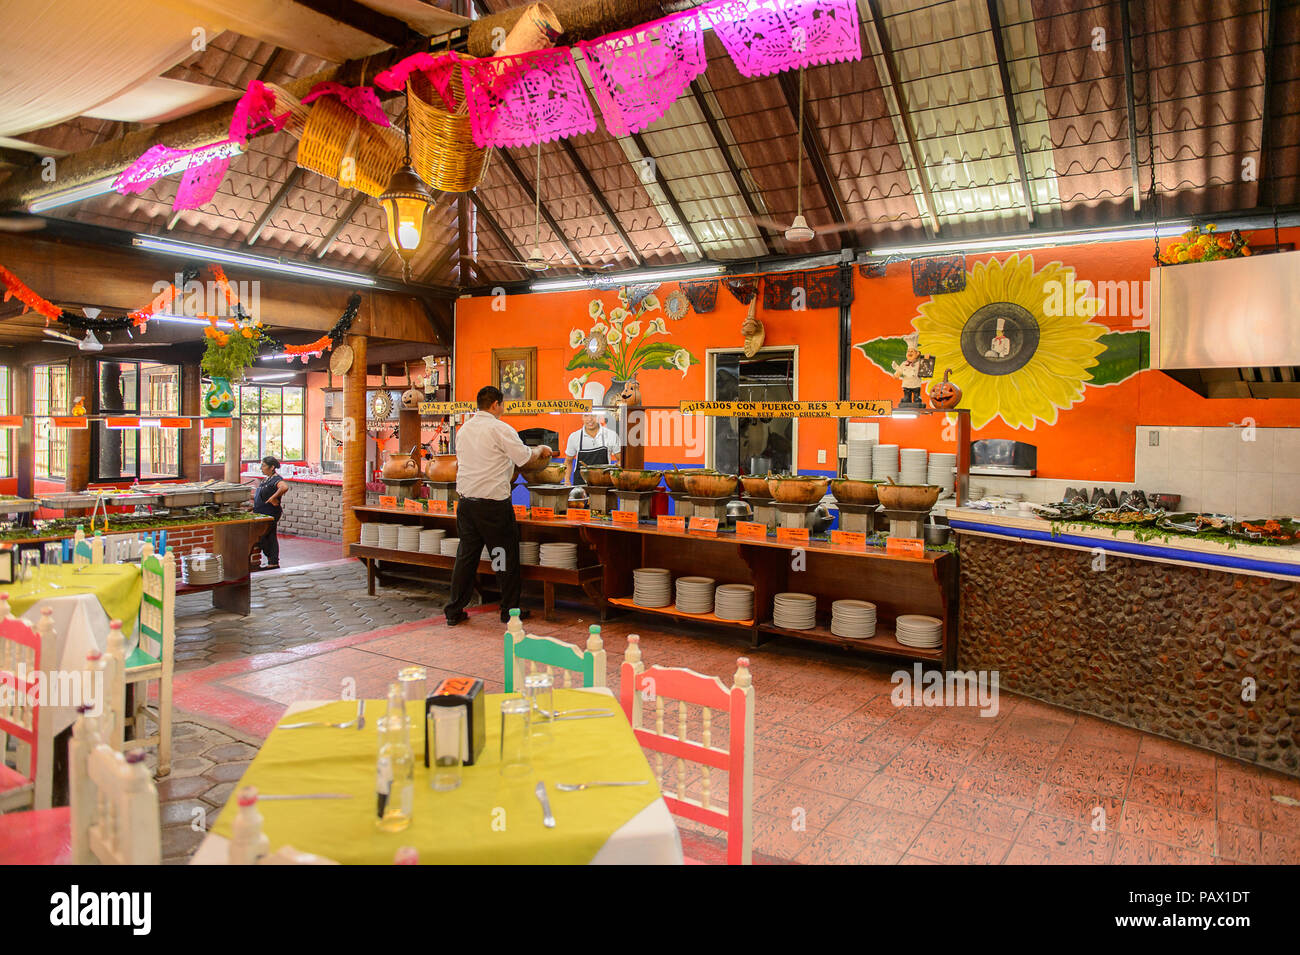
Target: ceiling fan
(536,262)
(799,230)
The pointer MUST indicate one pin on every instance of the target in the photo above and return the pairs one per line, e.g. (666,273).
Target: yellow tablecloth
(117,587)
(488,820)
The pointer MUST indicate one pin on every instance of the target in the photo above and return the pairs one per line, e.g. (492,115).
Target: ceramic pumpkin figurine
(945,394)
(411,399)
(633,451)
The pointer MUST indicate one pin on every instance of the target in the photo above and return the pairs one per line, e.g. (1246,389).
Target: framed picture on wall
(514,371)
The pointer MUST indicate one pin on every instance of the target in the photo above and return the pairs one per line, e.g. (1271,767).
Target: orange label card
(177,424)
(543,513)
(751,530)
(411,504)
(388,501)
(121,423)
(849,538)
(905,546)
(437,507)
(792,535)
(578,514)
(76,423)
(624,517)
(216,422)
(672,522)
(11,421)
(521,512)
(704,525)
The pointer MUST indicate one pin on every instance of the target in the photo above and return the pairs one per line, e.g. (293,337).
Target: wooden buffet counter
(608,553)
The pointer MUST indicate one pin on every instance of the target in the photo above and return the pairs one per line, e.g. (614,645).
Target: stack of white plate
(200,568)
(858,467)
(942,471)
(912,470)
(388,536)
(529,552)
(695,594)
(449,545)
(408,537)
(795,611)
(651,587)
(369,535)
(855,619)
(918,630)
(734,602)
(431,540)
(884,462)
(974,492)
(559,555)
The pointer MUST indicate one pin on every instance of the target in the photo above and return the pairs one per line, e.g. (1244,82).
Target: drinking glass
(30,565)
(515,738)
(414,681)
(53,559)
(539,689)
(448,732)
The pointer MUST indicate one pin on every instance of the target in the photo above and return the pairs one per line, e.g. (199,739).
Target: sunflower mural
(1022,344)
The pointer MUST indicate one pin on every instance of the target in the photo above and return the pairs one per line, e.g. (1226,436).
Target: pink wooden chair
(25,652)
(639,685)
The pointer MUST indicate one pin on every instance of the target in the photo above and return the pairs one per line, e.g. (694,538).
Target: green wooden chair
(526,649)
(154,658)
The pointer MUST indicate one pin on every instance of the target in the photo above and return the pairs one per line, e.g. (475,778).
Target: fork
(359,722)
(579,787)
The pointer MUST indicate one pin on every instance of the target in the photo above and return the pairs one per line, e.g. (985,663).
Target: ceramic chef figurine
(909,372)
(1000,346)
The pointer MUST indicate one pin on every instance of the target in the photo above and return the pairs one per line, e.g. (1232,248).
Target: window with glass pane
(212,446)
(137,388)
(50,397)
(6,442)
(273,422)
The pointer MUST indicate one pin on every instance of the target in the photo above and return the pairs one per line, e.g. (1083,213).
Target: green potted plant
(225,358)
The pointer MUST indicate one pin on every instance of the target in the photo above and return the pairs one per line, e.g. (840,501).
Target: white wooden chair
(153,659)
(639,685)
(25,652)
(87,550)
(524,653)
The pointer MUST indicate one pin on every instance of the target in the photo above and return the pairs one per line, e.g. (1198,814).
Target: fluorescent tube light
(187,320)
(1032,241)
(190,250)
(67,197)
(625,278)
(275,376)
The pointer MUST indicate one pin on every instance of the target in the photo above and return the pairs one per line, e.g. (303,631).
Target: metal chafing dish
(229,493)
(70,501)
(17,505)
(175,495)
(134,499)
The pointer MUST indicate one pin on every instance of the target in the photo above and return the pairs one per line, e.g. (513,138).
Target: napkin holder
(468,693)
(7,564)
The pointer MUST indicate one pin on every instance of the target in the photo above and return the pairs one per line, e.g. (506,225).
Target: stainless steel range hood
(1229,329)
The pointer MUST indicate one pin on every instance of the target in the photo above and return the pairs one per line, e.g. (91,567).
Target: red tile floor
(841,774)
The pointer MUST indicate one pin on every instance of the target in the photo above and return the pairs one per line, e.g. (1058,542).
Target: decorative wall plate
(676,305)
(341,359)
(381,405)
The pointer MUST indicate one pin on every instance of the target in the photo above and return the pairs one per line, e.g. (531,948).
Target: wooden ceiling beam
(685,224)
(1130,104)
(526,185)
(392,31)
(276,202)
(495,226)
(585,175)
(1009,104)
(816,154)
(341,223)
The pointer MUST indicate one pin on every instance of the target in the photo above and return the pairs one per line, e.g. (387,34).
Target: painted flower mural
(1022,343)
(619,342)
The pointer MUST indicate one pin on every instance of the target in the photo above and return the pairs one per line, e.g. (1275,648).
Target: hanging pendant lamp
(406,201)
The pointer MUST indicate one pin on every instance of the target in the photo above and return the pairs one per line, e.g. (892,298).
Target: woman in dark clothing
(267,501)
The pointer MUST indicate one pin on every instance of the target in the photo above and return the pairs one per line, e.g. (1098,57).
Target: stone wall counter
(313,507)
(1208,654)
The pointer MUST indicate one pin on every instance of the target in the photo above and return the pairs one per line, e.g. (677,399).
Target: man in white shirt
(487,452)
(590,446)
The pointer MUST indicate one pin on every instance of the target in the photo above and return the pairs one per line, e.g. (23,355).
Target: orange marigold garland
(14,288)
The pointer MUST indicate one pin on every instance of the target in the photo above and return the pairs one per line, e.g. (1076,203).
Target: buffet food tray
(176,495)
(70,501)
(134,499)
(229,493)
(18,505)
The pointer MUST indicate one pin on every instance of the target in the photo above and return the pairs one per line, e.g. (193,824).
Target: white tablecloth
(80,626)
(648,838)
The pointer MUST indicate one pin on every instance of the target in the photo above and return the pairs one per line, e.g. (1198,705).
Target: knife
(590,716)
(262,796)
(548,820)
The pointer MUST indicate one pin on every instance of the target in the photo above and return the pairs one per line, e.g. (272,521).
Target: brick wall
(313,510)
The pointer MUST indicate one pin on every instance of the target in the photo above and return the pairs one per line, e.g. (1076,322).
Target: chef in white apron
(590,446)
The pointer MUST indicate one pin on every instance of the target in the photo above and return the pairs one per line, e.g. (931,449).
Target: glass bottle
(395,769)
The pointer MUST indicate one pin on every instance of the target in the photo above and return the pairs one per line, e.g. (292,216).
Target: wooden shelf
(558,575)
(670,611)
(182,589)
(885,642)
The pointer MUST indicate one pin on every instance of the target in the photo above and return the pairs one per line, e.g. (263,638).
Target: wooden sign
(671,522)
(792,535)
(578,514)
(905,546)
(624,517)
(543,513)
(411,504)
(121,424)
(707,526)
(855,539)
(789,409)
(751,530)
(76,424)
(10,421)
(430,408)
(389,502)
(556,406)
(521,512)
(217,422)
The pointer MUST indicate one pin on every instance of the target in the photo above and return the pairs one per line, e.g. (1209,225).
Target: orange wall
(1092,440)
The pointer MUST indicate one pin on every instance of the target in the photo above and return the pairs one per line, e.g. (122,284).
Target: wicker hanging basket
(442,143)
(333,132)
(286,102)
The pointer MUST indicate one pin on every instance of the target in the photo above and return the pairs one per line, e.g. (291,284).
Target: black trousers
(269,543)
(492,524)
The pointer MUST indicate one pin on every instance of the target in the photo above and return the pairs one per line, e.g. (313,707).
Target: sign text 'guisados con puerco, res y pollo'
(789,409)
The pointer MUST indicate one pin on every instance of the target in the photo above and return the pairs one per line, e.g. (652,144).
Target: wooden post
(354,443)
(233,451)
(81,383)
(190,456)
(408,429)
(23,441)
